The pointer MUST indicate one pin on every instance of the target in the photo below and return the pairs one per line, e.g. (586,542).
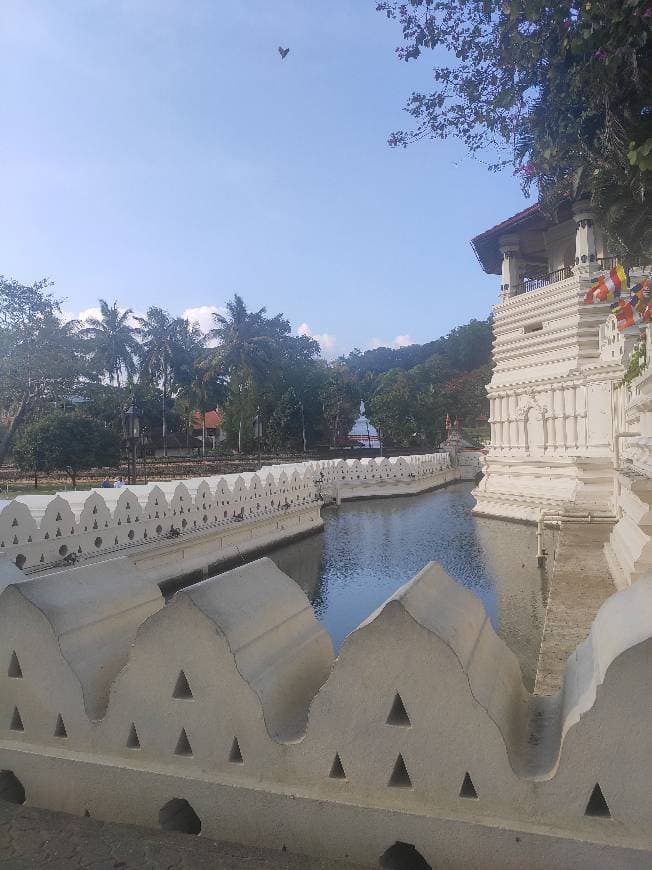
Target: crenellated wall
(221,515)
(226,704)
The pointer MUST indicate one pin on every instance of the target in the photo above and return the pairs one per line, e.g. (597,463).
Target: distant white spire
(362,409)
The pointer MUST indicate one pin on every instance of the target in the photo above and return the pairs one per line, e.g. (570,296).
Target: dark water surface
(370,548)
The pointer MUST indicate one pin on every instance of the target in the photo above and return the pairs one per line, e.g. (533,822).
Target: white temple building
(556,420)
(363,433)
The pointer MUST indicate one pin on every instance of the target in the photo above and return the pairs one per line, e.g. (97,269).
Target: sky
(160,152)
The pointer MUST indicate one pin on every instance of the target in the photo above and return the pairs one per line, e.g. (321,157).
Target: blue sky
(161,152)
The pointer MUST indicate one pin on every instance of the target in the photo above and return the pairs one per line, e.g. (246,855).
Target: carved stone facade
(551,392)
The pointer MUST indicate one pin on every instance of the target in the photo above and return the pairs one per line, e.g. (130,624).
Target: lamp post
(132,434)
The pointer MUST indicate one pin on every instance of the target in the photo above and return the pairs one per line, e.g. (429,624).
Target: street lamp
(132,433)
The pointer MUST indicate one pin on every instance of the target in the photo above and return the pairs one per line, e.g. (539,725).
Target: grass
(11,490)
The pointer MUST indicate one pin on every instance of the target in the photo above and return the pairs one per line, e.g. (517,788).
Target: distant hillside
(464,348)
(410,390)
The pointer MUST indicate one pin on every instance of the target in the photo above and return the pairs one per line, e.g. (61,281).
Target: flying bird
(283,52)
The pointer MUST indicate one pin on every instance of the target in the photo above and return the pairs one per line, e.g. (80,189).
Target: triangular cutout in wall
(183,744)
(16,721)
(60,728)
(400,778)
(597,805)
(337,769)
(14,669)
(398,714)
(132,740)
(235,756)
(468,789)
(182,688)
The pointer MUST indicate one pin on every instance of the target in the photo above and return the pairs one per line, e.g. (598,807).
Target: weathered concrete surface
(31,839)
(581,583)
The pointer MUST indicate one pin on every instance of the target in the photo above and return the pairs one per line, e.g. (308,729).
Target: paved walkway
(31,839)
(581,583)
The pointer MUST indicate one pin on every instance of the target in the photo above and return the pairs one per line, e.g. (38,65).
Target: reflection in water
(370,548)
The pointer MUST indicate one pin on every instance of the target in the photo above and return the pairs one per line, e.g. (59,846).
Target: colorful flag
(624,313)
(646,314)
(607,287)
(640,295)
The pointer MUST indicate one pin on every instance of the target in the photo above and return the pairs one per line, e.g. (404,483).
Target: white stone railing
(44,530)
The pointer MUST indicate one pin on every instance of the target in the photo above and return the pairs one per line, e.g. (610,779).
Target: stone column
(585,248)
(550,421)
(505,413)
(511,266)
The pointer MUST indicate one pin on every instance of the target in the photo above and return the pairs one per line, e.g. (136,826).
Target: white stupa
(363,433)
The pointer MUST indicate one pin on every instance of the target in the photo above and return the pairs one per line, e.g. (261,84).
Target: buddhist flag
(607,287)
(624,313)
(641,294)
(646,314)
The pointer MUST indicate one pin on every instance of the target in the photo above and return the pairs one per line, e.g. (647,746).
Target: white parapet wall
(200,521)
(224,711)
(629,550)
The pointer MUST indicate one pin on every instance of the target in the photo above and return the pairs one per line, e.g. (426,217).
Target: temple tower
(551,392)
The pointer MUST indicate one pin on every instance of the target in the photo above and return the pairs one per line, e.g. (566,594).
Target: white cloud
(399,341)
(326,341)
(94,312)
(203,315)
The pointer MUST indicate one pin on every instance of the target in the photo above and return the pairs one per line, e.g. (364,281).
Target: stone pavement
(31,839)
(580,584)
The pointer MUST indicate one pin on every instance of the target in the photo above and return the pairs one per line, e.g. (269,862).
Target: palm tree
(114,344)
(248,348)
(167,348)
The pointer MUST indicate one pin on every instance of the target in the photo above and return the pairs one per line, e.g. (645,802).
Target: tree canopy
(560,88)
(65,442)
(250,365)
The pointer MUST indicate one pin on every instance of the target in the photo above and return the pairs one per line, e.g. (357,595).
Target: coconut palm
(248,351)
(166,352)
(114,346)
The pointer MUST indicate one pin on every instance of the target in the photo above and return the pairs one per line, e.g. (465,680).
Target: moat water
(369,548)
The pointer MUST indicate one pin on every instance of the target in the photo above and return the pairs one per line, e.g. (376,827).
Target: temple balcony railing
(543,280)
(601,264)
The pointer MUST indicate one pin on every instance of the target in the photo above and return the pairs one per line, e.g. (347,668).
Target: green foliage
(41,359)
(561,89)
(464,348)
(637,363)
(66,442)
(284,429)
(257,367)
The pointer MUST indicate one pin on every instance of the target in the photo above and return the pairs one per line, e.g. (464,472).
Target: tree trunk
(203,432)
(240,433)
(13,426)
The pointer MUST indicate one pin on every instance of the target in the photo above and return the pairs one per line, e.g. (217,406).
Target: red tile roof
(214,419)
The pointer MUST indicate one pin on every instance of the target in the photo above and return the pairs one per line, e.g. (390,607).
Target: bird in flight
(283,52)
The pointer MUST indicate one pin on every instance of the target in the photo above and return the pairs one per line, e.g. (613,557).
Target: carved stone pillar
(511,274)
(585,247)
(505,413)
